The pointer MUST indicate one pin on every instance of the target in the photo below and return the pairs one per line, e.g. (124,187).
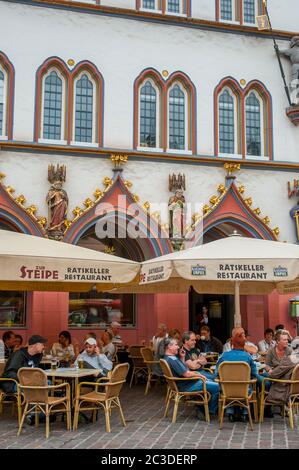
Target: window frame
(158,147)
(3,131)
(187,148)
(256,13)
(262,126)
(157,8)
(237,147)
(95,137)
(62,140)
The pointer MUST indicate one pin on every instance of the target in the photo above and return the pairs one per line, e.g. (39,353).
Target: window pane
(249,11)
(1,102)
(97,309)
(52,107)
(176,118)
(148,109)
(84,110)
(12,309)
(226,11)
(226,123)
(253,125)
(149,4)
(174,6)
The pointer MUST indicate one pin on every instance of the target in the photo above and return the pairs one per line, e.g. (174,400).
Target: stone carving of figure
(176,207)
(57,201)
(293,54)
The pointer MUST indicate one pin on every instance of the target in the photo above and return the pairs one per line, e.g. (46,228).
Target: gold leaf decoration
(266,220)
(195,216)
(206,209)
(241,189)
(276,231)
(248,201)
(31,210)
(20,199)
(98,194)
(2,176)
(110,250)
(119,160)
(88,203)
(231,168)
(128,184)
(214,200)
(257,211)
(136,198)
(42,222)
(146,205)
(221,189)
(77,212)
(10,189)
(67,223)
(107,182)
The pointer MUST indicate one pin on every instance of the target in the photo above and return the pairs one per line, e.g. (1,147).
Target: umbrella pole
(237,316)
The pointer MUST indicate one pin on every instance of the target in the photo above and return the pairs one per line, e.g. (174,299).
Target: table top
(71,372)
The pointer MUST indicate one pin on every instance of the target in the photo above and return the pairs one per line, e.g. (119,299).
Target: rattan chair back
(116,381)
(294,390)
(230,372)
(33,377)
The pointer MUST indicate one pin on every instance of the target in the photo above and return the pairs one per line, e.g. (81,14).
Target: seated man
(93,359)
(208,343)
(160,335)
(179,369)
(268,342)
(236,354)
(114,329)
(193,358)
(249,347)
(23,357)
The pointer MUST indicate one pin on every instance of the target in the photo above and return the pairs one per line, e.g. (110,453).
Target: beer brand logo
(198,270)
(280,271)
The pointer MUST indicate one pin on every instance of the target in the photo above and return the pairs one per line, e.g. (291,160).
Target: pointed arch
(56,66)
(7,85)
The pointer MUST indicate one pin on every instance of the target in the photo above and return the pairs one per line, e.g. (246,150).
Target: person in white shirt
(64,347)
(93,359)
(159,336)
(268,342)
(249,347)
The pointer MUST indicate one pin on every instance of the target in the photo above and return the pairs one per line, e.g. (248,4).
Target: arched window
(3,93)
(53,108)
(149,115)
(227,125)
(177,108)
(84,116)
(253,125)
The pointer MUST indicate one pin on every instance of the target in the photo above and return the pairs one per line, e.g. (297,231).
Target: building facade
(125,94)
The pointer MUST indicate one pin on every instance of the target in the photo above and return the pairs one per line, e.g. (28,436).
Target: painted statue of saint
(57,201)
(176,207)
(293,54)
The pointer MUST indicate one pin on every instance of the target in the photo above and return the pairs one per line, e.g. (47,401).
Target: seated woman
(64,346)
(108,347)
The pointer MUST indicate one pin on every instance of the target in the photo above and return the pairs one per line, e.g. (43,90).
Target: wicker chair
(33,383)
(149,360)
(107,400)
(11,398)
(293,400)
(234,379)
(173,393)
(138,363)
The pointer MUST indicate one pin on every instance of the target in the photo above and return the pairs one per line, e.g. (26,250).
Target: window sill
(85,144)
(171,13)
(52,141)
(256,157)
(150,149)
(150,10)
(230,155)
(179,152)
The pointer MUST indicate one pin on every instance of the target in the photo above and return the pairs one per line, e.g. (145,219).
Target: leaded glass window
(1,103)
(226,10)
(249,11)
(148,115)
(84,110)
(149,4)
(52,107)
(174,6)
(176,118)
(226,123)
(253,125)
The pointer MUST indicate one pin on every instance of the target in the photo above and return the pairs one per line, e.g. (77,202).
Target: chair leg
(291,415)
(94,416)
(76,414)
(207,413)
(107,417)
(262,410)
(19,408)
(222,413)
(255,412)
(148,383)
(249,415)
(121,412)
(68,416)
(47,422)
(167,402)
(132,377)
(22,419)
(175,408)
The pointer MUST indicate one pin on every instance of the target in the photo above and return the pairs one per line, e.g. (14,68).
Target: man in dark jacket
(208,343)
(24,357)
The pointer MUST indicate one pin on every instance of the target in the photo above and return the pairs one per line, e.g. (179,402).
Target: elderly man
(114,330)
(24,357)
(93,359)
(160,335)
(180,369)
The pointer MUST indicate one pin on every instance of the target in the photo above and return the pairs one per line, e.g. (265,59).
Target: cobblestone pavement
(146,428)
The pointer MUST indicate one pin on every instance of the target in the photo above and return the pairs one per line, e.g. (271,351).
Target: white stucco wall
(121,49)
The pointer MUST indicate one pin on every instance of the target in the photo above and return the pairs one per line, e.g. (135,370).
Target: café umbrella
(233,265)
(34,263)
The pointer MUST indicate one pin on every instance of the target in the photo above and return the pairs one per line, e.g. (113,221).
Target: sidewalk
(146,428)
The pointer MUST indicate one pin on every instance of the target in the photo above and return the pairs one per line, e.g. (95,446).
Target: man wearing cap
(93,359)
(29,356)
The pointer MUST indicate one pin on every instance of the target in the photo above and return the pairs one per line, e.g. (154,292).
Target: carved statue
(57,201)
(293,54)
(176,207)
